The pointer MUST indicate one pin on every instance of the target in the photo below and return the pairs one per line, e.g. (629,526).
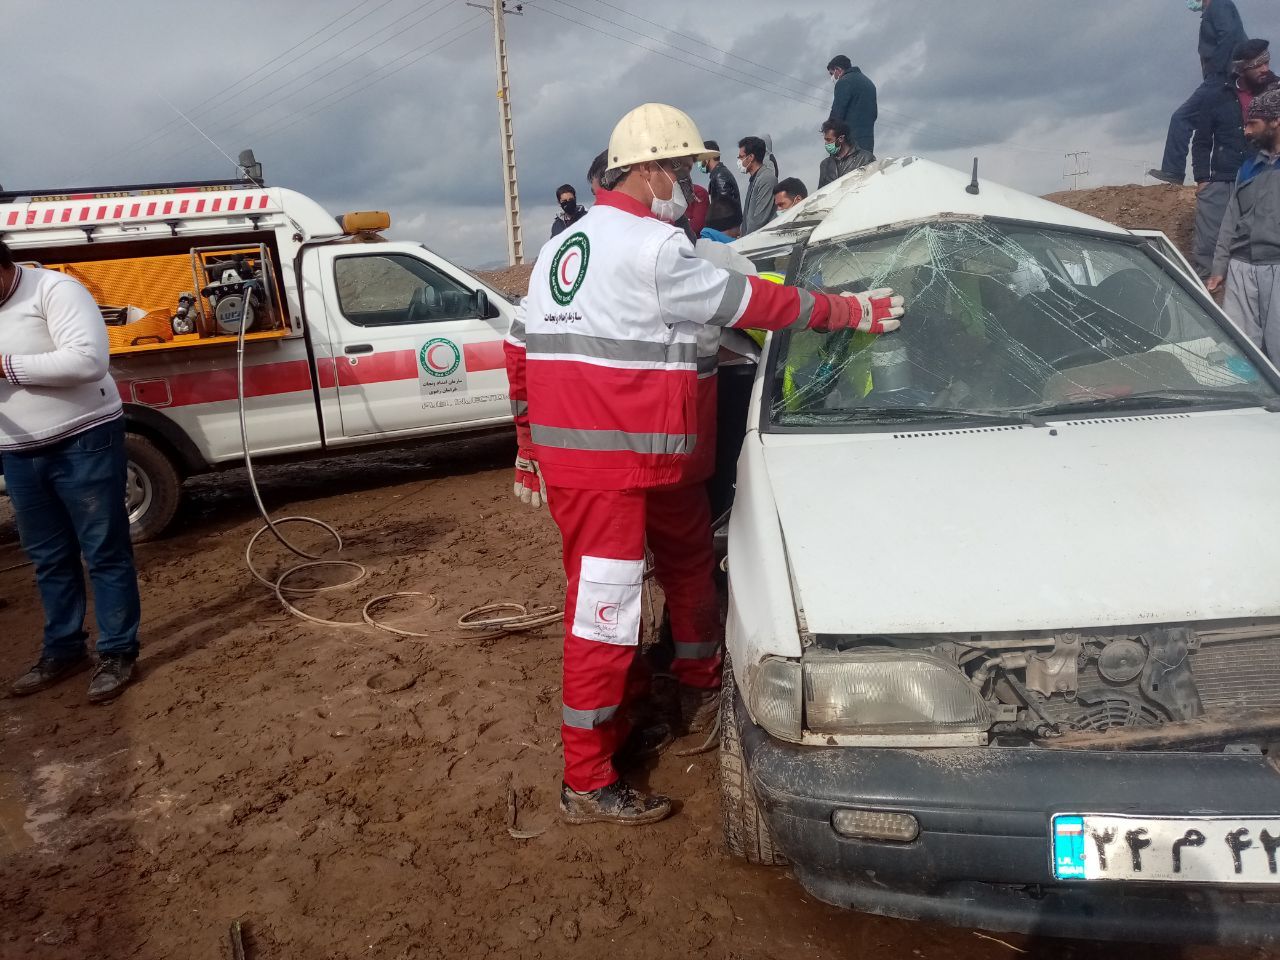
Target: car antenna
(973,188)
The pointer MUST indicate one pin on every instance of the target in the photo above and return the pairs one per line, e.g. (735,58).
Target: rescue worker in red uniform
(603,366)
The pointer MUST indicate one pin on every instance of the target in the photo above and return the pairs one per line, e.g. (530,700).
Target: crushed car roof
(903,191)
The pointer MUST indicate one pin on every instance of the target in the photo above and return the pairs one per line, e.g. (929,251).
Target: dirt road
(343,792)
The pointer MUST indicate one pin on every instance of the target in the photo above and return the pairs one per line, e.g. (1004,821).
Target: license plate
(1093,846)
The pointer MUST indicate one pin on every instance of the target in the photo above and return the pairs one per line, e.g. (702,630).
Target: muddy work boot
(111,677)
(617,803)
(644,743)
(47,672)
(699,709)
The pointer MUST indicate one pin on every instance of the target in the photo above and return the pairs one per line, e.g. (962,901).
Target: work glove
(876,311)
(529,485)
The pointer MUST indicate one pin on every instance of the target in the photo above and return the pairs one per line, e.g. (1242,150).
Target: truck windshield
(1007,321)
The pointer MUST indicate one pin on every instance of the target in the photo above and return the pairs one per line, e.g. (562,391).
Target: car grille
(1238,674)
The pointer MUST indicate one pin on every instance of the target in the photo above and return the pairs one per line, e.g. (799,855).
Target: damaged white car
(1004,624)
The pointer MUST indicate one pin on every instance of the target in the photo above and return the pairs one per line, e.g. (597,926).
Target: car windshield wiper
(1157,399)
(925,413)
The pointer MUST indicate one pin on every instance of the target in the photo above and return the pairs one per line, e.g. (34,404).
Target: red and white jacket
(603,356)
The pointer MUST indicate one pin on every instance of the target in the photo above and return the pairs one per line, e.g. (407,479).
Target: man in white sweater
(62,440)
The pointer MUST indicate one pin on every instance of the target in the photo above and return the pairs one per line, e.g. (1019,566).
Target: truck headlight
(889,692)
(776,703)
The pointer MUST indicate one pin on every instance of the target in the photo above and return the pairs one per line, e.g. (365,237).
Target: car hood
(1098,522)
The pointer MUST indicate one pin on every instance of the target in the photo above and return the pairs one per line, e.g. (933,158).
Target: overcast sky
(390,104)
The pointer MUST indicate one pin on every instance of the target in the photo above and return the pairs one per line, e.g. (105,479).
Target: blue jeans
(69,500)
(1182,125)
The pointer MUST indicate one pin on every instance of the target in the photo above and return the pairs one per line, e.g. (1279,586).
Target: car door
(416,348)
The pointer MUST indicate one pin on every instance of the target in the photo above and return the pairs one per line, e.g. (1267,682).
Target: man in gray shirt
(757,207)
(1248,254)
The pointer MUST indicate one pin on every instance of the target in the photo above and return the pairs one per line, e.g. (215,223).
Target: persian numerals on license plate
(1238,850)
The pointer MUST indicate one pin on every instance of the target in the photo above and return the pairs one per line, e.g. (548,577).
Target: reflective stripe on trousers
(604,534)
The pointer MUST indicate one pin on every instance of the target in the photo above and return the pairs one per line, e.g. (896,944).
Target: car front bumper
(983,856)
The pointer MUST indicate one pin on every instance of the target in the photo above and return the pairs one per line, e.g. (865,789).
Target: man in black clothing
(726,201)
(1221,31)
(855,101)
(570,210)
(843,154)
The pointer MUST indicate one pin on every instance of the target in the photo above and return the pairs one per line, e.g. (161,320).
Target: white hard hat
(655,131)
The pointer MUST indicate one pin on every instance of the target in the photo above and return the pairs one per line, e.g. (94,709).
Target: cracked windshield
(1011,322)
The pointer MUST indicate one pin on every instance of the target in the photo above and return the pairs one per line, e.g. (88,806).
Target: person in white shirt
(62,441)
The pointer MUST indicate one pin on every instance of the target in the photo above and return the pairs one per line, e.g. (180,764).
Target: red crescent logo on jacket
(607,613)
(569,268)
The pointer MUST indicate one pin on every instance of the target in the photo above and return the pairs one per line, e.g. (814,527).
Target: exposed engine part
(1058,671)
(1102,710)
(1167,677)
(1121,661)
(184,320)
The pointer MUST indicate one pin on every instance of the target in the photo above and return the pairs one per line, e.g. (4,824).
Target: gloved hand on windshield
(529,485)
(876,311)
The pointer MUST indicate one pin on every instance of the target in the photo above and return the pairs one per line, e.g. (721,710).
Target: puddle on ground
(13,817)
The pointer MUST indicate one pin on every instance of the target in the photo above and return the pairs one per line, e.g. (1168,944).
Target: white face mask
(669,211)
(742,166)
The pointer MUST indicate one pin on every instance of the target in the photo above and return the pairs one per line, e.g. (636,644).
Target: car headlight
(889,692)
(776,703)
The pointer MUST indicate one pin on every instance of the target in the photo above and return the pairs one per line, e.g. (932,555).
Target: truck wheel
(746,832)
(153,488)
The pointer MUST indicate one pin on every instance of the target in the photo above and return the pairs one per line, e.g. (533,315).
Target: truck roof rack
(127,189)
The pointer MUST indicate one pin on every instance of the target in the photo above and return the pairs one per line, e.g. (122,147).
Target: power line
(240,123)
(230,120)
(155,135)
(476,23)
(795,98)
(718,50)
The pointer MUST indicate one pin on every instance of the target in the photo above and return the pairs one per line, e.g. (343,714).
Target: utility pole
(510,185)
(1078,169)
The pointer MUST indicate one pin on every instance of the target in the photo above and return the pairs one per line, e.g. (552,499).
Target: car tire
(746,832)
(153,488)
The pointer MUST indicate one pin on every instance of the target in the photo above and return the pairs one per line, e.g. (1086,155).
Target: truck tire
(153,488)
(746,832)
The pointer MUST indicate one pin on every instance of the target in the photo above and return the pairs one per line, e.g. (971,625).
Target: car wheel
(746,833)
(153,488)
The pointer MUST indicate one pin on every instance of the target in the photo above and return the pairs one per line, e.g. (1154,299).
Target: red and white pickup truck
(360,341)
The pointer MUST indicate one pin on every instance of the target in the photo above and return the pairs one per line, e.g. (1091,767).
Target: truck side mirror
(484,309)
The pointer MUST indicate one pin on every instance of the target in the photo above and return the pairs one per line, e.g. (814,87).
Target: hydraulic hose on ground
(517,617)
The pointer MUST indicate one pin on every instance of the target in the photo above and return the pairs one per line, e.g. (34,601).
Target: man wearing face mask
(757,209)
(570,210)
(602,361)
(1248,254)
(1221,31)
(843,155)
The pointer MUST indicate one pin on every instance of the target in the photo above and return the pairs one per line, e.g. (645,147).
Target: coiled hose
(480,620)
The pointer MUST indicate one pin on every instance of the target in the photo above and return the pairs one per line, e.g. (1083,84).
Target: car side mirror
(484,309)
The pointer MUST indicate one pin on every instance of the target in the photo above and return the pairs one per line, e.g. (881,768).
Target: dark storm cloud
(1019,82)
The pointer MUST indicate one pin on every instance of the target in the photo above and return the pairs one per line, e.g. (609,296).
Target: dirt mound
(513,281)
(1171,210)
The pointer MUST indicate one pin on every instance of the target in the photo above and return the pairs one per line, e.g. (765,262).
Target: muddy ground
(343,792)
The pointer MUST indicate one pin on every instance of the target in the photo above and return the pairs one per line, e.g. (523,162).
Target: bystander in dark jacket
(854,102)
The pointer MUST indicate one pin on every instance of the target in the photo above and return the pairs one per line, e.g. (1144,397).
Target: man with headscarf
(1248,254)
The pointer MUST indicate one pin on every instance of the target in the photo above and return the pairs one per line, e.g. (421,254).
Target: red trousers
(604,533)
